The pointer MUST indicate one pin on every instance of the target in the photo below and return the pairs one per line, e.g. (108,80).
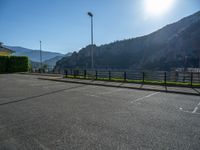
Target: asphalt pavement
(188,90)
(48,115)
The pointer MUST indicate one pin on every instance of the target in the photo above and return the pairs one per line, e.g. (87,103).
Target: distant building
(5,51)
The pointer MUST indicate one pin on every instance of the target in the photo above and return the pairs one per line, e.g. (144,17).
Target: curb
(119,86)
(41,74)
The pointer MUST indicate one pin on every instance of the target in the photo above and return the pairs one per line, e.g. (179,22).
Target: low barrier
(155,77)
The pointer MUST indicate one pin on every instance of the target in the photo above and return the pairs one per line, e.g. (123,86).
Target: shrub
(3,64)
(9,64)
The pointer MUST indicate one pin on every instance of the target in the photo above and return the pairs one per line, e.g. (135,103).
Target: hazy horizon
(65,27)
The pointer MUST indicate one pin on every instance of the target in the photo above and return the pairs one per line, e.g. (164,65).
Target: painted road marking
(191,112)
(145,97)
(91,95)
(195,110)
(110,92)
(186,111)
(103,93)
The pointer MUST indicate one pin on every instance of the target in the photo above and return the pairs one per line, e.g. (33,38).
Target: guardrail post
(191,78)
(71,72)
(66,73)
(143,77)
(96,74)
(74,73)
(109,75)
(165,78)
(125,76)
(77,73)
(85,73)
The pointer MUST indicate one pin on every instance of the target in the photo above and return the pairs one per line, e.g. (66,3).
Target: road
(49,115)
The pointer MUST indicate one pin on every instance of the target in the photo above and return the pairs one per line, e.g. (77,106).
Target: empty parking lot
(38,114)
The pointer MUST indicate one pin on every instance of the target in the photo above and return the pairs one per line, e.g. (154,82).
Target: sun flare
(157,7)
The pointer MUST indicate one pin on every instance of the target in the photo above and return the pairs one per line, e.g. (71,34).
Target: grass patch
(152,82)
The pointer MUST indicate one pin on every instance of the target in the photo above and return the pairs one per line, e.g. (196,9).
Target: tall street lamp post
(92,53)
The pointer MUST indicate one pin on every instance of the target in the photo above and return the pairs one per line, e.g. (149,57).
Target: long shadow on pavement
(36,96)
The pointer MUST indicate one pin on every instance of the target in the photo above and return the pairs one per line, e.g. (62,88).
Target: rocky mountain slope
(175,45)
(52,61)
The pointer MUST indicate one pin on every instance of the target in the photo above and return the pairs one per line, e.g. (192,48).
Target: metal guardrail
(164,77)
(137,76)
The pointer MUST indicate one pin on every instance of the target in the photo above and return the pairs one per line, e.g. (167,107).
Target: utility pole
(41,56)
(92,43)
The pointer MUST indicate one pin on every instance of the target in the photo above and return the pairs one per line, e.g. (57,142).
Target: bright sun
(157,7)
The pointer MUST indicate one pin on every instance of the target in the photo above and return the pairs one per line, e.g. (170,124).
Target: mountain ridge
(163,49)
(33,55)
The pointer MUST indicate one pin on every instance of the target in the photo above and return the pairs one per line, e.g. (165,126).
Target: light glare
(157,7)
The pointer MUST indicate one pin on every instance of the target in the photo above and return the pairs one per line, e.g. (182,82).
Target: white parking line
(181,109)
(145,97)
(195,109)
(103,93)
(191,112)
(110,92)
(91,95)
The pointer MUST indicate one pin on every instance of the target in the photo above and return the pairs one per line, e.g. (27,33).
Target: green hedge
(3,64)
(10,64)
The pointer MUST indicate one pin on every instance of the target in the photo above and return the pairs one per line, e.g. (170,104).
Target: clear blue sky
(63,25)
